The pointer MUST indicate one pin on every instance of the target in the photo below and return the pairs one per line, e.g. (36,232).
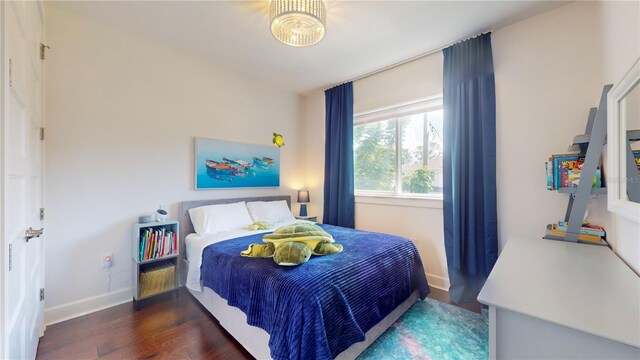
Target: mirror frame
(616,148)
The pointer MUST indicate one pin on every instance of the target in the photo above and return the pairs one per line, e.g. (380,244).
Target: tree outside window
(401,155)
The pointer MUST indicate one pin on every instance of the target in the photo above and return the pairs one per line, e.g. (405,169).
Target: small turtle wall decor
(278,140)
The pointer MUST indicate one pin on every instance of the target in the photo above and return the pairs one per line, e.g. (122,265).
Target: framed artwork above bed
(226,164)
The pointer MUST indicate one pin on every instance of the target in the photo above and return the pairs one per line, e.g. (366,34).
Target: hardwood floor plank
(169,326)
(76,351)
(142,348)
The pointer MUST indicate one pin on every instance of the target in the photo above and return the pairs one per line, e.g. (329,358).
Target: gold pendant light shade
(298,22)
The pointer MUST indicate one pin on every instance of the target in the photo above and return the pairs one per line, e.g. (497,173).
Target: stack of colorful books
(563,171)
(157,243)
(588,232)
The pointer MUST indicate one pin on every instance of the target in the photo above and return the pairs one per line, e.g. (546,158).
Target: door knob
(30,233)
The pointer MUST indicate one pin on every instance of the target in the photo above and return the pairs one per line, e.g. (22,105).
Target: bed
(334,306)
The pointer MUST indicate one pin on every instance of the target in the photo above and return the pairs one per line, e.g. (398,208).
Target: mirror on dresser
(623,150)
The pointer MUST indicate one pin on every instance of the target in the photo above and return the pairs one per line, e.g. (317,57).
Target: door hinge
(42,50)
(41,214)
(42,133)
(10,72)
(10,257)
(41,294)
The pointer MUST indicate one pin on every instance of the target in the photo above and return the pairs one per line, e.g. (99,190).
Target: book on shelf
(157,243)
(550,178)
(636,157)
(585,229)
(555,230)
(563,171)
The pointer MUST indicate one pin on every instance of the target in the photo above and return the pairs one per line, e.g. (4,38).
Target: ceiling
(362,36)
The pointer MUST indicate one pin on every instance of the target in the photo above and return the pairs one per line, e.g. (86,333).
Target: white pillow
(270,211)
(212,219)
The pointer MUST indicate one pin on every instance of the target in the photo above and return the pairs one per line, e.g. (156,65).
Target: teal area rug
(433,330)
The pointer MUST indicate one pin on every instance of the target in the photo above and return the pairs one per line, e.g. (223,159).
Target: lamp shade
(298,22)
(303,196)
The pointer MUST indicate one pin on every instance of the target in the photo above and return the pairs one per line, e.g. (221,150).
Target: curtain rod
(419,56)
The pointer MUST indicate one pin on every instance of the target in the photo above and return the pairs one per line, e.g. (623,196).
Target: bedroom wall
(548,74)
(547,71)
(550,69)
(121,114)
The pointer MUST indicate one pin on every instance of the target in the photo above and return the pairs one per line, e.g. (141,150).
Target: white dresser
(560,300)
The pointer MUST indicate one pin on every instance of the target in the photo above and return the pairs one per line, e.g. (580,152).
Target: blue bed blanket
(318,309)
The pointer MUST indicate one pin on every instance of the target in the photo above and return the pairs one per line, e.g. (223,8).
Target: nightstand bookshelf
(155,272)
(310,218)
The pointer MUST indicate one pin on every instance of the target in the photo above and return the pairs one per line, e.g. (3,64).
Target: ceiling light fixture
(298,22)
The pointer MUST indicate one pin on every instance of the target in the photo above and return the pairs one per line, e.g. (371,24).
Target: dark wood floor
(170,326)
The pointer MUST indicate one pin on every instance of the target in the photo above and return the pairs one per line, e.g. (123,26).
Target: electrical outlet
(107,261)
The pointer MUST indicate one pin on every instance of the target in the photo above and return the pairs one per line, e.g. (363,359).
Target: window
(398,151)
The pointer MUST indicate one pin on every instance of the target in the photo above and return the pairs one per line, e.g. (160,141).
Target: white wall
(122,112)
(313,150)
(620,26)
(549,72)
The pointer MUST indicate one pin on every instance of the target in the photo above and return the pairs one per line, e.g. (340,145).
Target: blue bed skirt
(318,309)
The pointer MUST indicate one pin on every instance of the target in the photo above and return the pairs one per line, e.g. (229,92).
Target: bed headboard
(186,227)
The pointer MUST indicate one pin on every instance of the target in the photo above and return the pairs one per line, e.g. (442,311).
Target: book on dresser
(155,251)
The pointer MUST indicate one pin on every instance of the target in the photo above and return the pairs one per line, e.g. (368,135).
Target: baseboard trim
(438,282)
(86,306)
(92,304)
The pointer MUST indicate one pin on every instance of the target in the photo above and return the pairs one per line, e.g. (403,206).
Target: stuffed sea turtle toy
(292,253)
(259,225)
(294,244)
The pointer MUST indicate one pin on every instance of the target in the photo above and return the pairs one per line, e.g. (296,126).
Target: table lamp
(303,198)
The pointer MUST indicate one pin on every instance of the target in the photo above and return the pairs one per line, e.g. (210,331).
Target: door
(22,180)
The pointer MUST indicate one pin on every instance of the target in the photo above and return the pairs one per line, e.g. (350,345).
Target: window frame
(395,112)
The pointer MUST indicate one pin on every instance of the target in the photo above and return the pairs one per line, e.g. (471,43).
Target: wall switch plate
(107,261)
